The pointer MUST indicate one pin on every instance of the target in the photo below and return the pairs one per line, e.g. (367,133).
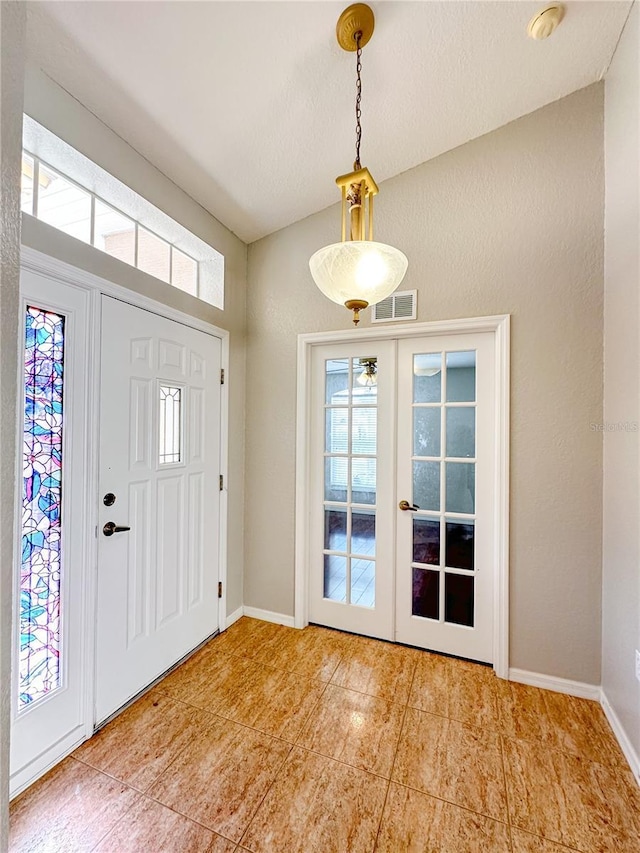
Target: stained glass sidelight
(40,575)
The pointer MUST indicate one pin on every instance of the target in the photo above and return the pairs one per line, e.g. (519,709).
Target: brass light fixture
(358,271)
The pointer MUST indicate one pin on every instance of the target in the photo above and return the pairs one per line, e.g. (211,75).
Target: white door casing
(306,498)
(157,582)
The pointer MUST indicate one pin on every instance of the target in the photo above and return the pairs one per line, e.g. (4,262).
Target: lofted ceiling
(249,106)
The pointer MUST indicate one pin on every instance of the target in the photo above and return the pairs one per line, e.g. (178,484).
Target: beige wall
(54,108)
(12,33)
(508,223)
(621,546)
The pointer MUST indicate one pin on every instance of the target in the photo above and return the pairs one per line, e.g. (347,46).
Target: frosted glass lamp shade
(358,269)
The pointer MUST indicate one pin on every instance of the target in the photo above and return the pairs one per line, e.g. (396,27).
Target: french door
(445,466)
(351,582)
(158,555)
(402,512)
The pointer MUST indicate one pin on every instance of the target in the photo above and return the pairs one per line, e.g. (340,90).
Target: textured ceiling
(248,106)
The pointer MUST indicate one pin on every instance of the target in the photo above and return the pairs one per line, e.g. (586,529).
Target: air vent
(398,306)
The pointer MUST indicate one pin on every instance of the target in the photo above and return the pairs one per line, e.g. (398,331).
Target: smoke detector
(542,25)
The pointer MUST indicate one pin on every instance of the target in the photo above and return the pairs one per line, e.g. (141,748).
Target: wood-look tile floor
(272,740)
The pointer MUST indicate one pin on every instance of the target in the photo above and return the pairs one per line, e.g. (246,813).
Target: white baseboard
(233,617)
(584,691)
(269,616)
(621,736)
(21,779)
(559,685)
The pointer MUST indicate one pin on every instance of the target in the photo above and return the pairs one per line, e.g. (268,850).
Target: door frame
(499,326)
(96,287)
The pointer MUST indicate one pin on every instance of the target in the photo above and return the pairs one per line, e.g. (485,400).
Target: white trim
(269,616)
(233,617)
(263,615)
(43,264)
(558,685)
(501,498)
(93,479)
(621,736)
(583,691)
(224,493)
(499,325)
(46,760)
(463,326)
(303,467)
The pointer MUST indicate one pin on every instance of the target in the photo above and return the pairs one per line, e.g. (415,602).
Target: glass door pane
(351,420)
(443,431)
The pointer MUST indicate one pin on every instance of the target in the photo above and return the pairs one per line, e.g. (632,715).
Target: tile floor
(273,740)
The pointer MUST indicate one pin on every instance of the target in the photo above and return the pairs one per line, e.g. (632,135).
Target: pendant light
(357,271)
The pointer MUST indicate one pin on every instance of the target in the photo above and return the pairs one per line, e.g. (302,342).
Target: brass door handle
(111,527)
(405,506)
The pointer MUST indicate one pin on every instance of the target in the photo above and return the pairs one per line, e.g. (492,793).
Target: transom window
(67,191)
(55,199)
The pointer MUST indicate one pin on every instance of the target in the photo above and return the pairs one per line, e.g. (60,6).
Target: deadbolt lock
(109,499)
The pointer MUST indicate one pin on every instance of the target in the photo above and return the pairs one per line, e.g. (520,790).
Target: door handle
(111,527)
(406,506)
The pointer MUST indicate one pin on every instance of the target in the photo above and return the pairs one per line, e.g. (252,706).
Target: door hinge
(221,482)
(219,589)
(222,376)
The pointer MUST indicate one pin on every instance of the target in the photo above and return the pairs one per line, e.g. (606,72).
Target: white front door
(158,530)
(49,667)
(402,453)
